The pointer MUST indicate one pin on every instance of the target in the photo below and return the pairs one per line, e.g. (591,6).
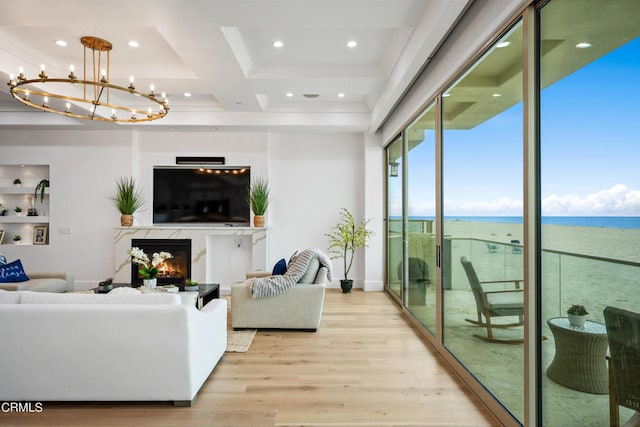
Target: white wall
(312,176)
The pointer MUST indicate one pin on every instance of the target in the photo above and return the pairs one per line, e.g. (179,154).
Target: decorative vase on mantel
(126,220)
(577,320)
(150,283)
(258,220)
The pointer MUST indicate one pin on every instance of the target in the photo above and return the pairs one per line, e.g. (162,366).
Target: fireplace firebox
(172,271)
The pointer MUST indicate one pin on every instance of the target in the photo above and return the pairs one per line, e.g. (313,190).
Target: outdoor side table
(580,359)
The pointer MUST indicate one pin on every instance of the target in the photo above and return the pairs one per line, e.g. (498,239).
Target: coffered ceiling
(222,53)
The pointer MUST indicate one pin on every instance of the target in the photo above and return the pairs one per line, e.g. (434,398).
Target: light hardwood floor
(366,366)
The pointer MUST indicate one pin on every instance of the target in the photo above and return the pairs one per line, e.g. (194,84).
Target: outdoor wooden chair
(491,304)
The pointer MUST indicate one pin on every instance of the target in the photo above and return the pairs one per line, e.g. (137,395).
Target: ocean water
(578,221)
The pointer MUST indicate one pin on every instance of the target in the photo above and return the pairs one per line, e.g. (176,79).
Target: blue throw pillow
(13,272)
(3,260)
(280,268)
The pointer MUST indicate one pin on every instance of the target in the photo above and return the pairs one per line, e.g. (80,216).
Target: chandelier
(92,96)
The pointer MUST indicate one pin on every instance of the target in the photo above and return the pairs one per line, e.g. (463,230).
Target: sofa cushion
(139,299)
(309,276)
(280,268)
(13,272)
(10,297)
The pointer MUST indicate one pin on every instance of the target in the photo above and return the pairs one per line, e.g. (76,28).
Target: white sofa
(42,282)
(120,347)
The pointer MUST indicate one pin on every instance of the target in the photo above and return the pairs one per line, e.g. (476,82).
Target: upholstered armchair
(300,307)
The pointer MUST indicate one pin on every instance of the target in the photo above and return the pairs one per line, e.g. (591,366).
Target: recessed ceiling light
(61,43)
(496,95)
(341,95)
(502,44)
(187,94)
(583,45)
(289,94)
(352,43)
(133,43)
(278,43)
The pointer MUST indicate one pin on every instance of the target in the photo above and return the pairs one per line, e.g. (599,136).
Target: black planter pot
(346,286)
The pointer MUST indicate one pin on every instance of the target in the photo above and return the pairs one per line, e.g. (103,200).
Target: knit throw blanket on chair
(271,286)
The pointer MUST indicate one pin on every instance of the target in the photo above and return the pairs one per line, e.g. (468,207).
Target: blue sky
(590,150)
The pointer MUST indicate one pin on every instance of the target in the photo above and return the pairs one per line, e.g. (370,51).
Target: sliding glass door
(583,249)
(482,194)
(420,275)
(590,195)
(395,217)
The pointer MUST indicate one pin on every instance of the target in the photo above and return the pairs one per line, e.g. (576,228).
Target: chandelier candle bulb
(68,110)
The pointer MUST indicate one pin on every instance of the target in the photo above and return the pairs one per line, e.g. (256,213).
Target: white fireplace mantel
(218,254)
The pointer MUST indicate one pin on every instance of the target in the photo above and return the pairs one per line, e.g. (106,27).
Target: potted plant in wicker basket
(127,199)
(577,314)
(258,200)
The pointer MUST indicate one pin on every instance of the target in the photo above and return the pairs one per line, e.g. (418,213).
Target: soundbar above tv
(201,195)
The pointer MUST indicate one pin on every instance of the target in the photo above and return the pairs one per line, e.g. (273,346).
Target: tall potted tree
(127,199)
(344,239)
(258,200)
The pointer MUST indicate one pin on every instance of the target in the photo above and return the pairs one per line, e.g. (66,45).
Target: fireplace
(174,270)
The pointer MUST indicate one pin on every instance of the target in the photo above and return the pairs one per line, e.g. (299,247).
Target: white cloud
(617,200)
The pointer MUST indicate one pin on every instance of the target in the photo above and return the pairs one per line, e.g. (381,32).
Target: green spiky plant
(127,198)
(258,196)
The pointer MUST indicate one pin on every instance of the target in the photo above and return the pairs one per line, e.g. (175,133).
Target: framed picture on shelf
(40,235)
(1,236)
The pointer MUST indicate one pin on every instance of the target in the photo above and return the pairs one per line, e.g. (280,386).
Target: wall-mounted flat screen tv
(201,195)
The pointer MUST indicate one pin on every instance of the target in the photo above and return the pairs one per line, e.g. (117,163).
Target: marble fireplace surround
(218,254)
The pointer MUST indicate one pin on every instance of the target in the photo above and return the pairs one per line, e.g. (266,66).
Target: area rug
(240,341)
